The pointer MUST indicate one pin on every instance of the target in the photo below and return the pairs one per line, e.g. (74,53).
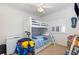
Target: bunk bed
(39,31)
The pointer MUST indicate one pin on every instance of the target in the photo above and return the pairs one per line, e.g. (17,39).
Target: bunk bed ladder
(52,38)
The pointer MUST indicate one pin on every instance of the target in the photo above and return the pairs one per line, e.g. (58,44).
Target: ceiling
(30,7)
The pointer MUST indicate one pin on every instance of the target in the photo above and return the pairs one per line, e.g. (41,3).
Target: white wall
(2,33)
(11,21)
(62,18)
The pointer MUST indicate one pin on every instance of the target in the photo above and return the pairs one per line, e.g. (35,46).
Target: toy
(25,51)
(25,46)
(19,49)
(27,34)
(31,43)
(30,49)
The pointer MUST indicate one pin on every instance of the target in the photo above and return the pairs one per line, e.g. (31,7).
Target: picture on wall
(60,29)
(57,29)
(53,28)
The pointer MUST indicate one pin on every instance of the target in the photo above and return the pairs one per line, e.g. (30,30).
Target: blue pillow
(45,38)
(33,37)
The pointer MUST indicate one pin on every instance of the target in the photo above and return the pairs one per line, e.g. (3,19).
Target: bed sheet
(39,41)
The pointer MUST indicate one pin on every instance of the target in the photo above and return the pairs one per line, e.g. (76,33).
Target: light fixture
(40,9)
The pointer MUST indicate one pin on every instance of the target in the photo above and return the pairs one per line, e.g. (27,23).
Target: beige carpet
(53,50)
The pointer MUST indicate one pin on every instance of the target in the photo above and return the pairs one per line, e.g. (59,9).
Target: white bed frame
(40,26)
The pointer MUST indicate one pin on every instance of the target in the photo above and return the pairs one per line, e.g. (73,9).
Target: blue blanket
(39,41)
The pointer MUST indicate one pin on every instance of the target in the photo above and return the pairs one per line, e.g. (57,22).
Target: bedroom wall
(62,18)
(11,21)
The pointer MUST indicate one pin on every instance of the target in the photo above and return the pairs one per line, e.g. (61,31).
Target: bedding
(39,41)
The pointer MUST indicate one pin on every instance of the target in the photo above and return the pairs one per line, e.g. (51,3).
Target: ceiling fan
(41,7)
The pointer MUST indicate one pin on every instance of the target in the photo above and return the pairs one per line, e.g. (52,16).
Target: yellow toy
(31,43)
(25,44)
